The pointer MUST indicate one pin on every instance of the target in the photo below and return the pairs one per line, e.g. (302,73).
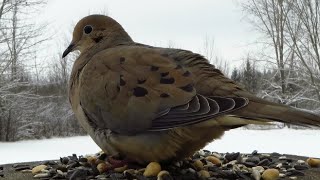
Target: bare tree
(269,17)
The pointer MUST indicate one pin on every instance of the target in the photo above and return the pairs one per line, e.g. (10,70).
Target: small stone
(21,168)
(275,154)
(58,176)
(64,160)
(26,171)
(214,160)
(116,176)
(281,175)
(217,155)
(178,163)
(249,164)
(270,174)
(232,156)
(72,164)
(204,174)
(255,152)
(293,177)
(264,162)
(282,158)
(201,153)
(279,165)
(191,170)
(253,159)
(312,162)
(38,169)
(293,172)
(260,169)
(62,168)
(256,174)
(49,163)
(300,167)
(198,165)
(164,175)
(120,169)
(42,175)
(152,169)
(78,174)
(301,161)
(103,167)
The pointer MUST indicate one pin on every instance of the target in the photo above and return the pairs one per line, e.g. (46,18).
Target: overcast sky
(183,23)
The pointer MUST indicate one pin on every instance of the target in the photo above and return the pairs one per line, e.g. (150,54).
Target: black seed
(154,68)
(141,81)
(98,39)
(164,74)
(178,67)
(118,88)
(139,91)
(188,88)
(186,74)
(167,80)
(164,95)
(122,59)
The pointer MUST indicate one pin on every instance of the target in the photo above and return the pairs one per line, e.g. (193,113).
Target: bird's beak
(68,50)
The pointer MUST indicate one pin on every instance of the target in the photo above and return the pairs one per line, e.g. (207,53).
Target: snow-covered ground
(299,142)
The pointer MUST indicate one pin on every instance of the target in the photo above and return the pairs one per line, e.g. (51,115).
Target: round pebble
(152,169)
(270,174)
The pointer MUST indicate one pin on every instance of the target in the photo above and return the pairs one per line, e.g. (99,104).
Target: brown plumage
(165,102)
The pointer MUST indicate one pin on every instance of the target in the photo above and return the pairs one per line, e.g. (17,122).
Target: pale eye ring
(87,29)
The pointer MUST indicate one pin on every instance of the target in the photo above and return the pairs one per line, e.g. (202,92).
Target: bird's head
(95,29)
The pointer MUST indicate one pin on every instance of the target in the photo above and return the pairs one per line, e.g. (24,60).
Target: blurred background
(271,47)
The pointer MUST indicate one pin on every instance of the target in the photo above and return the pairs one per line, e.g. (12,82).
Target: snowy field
(286,141)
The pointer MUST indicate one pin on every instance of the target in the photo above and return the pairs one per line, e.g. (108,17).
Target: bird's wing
(211,82)
(133,89)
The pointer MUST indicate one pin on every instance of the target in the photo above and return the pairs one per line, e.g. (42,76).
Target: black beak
(68,50)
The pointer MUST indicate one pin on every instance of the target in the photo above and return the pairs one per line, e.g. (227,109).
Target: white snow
(286,141)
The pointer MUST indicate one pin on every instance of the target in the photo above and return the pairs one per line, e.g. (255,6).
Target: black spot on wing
(164,95)
(186,74)
(167,80)
(122,59)
(154,68)
(164,74)
(187,88)
(141,81)
(139,91)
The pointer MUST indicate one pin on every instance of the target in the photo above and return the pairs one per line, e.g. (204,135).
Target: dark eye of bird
(87,29)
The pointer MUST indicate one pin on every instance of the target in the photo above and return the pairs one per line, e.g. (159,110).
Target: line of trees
(290,54)
(33,92)
(33,98)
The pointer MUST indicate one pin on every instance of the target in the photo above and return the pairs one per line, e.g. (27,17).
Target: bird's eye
(87,29)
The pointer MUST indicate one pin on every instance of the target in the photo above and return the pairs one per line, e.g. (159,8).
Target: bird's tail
(262,110)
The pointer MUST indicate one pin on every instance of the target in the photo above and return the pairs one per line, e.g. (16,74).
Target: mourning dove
(157,104)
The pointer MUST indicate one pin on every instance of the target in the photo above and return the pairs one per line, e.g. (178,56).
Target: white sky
(183,23)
